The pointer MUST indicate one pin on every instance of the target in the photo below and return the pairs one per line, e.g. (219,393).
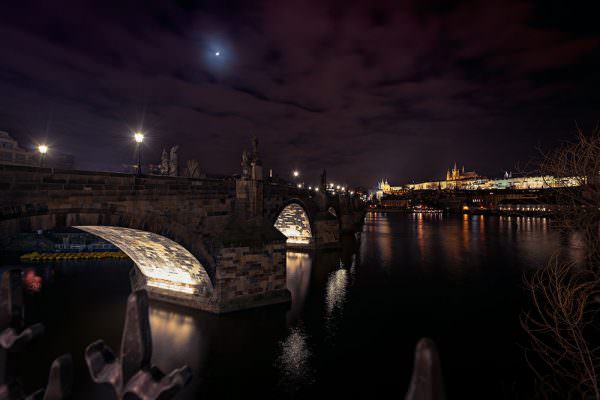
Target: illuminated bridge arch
(164,263)
(294,223)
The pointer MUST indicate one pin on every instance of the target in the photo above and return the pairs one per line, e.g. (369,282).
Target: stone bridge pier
(213,244)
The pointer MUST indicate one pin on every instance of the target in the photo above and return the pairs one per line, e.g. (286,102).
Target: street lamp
(43,149)
(296,173)
(139,138)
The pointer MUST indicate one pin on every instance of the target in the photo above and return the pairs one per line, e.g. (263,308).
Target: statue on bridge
(164,163)
(251,163)
(174,161)
(245,164)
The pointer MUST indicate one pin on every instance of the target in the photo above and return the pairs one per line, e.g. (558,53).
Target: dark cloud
(364,89)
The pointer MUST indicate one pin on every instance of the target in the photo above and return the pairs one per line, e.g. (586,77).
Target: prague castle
(458,179)
(457,174)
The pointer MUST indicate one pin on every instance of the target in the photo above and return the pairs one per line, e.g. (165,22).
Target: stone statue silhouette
(245,163)
(324,180)
(164,163)
(174,161)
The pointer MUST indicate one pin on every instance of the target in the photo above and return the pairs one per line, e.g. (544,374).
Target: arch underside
(164,263)
(294,223)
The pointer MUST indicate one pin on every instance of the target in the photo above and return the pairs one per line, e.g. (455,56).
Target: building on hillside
(12,154)
(456,174)
(460,180)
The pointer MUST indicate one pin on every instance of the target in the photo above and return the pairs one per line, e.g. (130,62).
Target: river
(350,331)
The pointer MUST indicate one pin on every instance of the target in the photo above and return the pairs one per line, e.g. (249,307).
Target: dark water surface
(353,323)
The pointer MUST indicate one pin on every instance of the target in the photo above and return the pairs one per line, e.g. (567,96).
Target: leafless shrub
(560,326)
(562,321)
(578,161)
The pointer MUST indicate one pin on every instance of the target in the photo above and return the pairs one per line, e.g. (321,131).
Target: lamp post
(43,149)
(139,138)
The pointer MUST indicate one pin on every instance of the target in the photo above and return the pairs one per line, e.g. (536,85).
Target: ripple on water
(294,361)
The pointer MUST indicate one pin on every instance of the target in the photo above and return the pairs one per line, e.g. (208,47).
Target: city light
(310,188)
(316,189)
(217,53)
(299,185)
(139,137)
(296,173)
(43,149)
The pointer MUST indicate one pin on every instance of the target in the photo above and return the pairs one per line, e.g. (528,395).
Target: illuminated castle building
(458,179)
(457,174)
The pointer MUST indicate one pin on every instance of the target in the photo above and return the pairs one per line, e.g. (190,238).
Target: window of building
(6,156)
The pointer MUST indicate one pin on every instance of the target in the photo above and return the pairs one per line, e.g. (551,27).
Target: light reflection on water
(294,361)
(336,291)
(175,336)
(298,269)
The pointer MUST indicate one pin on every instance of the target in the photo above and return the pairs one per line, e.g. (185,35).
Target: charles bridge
(213,244)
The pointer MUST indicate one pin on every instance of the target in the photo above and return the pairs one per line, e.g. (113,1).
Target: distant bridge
(232,226)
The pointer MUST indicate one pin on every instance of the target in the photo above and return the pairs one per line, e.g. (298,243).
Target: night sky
(366,89)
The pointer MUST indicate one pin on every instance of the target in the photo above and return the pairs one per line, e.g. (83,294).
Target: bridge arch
(164,263)
(294,222)
(50,216)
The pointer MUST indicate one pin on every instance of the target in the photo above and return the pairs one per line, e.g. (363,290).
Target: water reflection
(378,226)
(298,267)
(294,361)
(177,340)
(31,281)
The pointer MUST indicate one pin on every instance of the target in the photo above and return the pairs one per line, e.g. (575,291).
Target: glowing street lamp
(296,173)
(43,149)
(139,138)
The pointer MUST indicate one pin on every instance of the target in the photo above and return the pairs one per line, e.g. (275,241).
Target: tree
(562,322)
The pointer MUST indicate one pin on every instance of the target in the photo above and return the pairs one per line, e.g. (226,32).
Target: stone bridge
(236,228)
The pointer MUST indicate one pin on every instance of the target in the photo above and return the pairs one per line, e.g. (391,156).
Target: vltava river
(350,331)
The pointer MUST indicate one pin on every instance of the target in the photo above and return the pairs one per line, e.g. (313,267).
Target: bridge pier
(245,277)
